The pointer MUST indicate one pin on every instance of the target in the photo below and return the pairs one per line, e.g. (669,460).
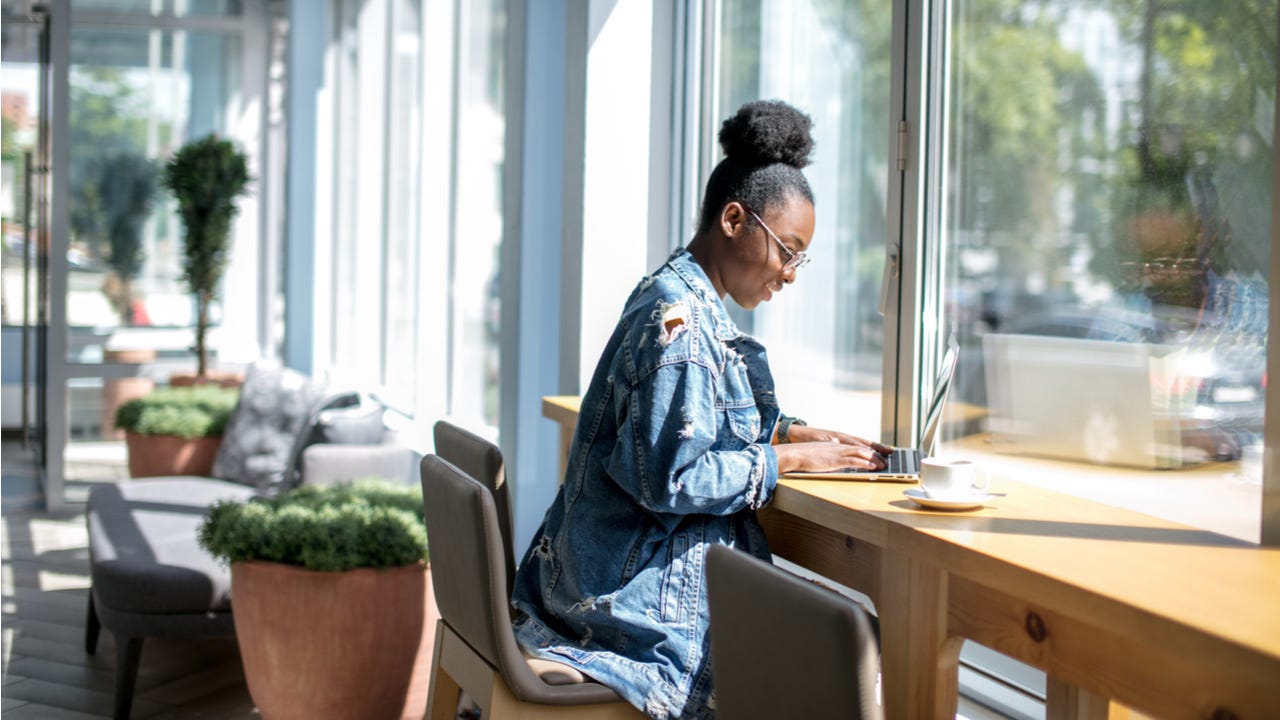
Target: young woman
(680,439)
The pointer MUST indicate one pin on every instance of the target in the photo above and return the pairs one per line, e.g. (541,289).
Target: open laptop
(903,464)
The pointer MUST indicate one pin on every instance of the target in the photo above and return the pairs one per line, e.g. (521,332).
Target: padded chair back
(470,582)
(782,646)
(482,460)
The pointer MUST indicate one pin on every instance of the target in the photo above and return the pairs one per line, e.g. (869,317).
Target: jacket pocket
(743,423)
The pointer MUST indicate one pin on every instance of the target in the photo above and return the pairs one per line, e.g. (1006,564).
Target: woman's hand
(804,433)
(818,450)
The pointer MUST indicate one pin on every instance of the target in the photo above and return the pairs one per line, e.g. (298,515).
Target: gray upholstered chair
(782,646)
(475,648)
(482,460)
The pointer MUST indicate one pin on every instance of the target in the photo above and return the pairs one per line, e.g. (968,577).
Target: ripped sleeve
(669,456)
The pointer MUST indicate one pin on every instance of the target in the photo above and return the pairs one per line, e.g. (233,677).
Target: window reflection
(1108,185)
(124,257)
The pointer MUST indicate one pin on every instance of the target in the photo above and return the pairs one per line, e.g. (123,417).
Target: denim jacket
(671,455)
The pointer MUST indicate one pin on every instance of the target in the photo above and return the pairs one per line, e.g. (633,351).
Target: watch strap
(784,427)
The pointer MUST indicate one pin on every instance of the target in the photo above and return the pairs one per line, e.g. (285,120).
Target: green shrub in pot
(194,412)
(367,523)
(334,608)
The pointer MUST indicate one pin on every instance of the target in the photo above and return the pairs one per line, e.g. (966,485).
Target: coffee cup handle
(982,479)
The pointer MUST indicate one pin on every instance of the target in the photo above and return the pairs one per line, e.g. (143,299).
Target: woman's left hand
(804,433)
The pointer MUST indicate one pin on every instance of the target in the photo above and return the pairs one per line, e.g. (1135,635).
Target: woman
(680,439)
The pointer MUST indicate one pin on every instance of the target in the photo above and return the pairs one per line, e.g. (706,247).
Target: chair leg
(442,697)
(92,627)
(128,653)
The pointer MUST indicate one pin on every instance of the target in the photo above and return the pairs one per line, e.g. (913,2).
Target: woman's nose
(788,275)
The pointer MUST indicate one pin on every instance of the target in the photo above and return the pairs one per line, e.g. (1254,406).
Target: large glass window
(137,94)
(1105,238)
(831,59)
(477,239)
(411,232)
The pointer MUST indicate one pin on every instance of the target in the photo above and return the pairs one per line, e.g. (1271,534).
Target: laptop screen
(941,387)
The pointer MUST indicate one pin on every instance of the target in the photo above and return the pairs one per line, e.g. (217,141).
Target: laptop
(903,464)
(1096,401)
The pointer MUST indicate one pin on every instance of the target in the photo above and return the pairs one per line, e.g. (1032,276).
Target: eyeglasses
(795,260)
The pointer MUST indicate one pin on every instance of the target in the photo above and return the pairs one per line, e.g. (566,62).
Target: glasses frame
(795,260)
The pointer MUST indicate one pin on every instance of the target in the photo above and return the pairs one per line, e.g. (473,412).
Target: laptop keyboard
(903,460)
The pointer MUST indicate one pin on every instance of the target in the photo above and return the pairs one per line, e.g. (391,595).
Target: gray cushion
(143,553)
(341,418)
(330,464)
(275,402)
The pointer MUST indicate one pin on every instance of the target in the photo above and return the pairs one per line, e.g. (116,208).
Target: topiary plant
(206,176)
(368,523)
(193,412)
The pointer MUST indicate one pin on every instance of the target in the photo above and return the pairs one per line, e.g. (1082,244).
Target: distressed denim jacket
(671,455)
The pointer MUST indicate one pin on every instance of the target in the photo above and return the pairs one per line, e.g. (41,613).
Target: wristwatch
(784,428)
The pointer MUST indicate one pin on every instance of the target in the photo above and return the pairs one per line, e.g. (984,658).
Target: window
(1094,189)
(1106,184)
(477,214)
(137,95)
(409,239)
(831,59)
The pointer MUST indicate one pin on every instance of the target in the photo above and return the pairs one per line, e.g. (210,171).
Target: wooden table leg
(919,662)
(566,442)
(1065,701)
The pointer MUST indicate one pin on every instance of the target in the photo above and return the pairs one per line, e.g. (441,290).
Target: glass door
(23,214)
(133,84)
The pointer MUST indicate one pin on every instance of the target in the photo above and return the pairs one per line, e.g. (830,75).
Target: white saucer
(919,497)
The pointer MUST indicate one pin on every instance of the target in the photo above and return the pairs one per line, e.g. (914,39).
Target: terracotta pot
(121,390)
(162,455)
(347,645)
(211,377)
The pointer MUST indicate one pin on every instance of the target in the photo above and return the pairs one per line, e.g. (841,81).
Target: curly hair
(765,144)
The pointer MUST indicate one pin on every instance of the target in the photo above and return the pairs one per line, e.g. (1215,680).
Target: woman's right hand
(826,456)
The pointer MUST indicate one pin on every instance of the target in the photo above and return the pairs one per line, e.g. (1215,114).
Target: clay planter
(351,645)
(121,390)
(167,455)
(211,377)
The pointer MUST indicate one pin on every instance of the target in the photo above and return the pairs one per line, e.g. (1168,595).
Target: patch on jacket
(673,319)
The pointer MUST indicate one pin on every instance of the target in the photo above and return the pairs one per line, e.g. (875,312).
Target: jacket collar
(685,266)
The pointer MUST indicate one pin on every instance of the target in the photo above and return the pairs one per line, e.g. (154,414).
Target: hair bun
(764,132)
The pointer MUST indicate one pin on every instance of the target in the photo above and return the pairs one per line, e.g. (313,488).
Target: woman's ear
(733,219)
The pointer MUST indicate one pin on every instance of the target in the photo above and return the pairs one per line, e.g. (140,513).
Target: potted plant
(206,177)
(331,594)
(175,431)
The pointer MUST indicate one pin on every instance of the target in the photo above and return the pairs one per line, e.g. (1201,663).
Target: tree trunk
(202,327)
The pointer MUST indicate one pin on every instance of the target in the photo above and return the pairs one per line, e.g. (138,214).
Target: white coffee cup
(942,478)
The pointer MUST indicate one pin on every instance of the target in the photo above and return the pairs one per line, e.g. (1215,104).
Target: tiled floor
(46,672)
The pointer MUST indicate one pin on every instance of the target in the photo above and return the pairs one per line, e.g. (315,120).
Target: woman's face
(752,271)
